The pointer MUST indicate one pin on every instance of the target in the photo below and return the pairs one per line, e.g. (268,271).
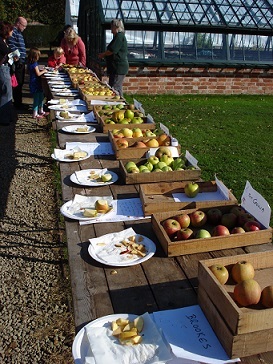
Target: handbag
(14,82)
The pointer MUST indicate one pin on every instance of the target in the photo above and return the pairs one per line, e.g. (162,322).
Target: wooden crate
(130,152)
(106,127)
(156,177)
(192,246)
(159,197)
(243,331)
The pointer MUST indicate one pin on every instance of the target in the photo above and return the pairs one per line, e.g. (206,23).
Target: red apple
(184,220)
(122,143)
(220,230)
(198,218)
(247,292)
(214,215)
(139,145)
(171,226)
(252,226)
(229,220)
(237,230)
(184,234)
(202,234)
(242,270)
(220,272)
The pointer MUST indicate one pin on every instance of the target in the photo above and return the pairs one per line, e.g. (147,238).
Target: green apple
(129,114)
(202,234)
(166,169)
(142,168)
(125,121)
(137,120)
(163,151)
(106,177)
(160,165)
(168,160)
(149,166)
(153,160)
(178,163)
(157,170)
(149,133)
(191,189)
(130,165)
(133,170)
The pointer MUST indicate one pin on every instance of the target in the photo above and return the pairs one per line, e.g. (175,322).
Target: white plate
(79,108)
(78,215)
(85,181)
(73,116)
(81,348)
(73,129)
(63,159)
(55,86)
(67,93)
(150,247)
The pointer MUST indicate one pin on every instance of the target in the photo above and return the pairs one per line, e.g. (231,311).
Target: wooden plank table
(160,283)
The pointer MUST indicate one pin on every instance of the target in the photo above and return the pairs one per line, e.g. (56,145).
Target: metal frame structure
(164,32)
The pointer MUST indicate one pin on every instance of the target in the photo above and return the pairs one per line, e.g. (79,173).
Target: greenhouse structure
(186,46)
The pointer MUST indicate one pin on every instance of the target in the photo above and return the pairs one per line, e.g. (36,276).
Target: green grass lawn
(230,136)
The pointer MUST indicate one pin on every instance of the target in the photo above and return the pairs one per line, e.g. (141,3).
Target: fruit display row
(200,224)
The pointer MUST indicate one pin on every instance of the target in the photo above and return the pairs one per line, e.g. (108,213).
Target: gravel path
(36,322)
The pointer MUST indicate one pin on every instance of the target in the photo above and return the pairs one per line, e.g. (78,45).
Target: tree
(42,11)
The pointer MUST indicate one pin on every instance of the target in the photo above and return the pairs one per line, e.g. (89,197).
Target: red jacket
(75,56)
(53,62)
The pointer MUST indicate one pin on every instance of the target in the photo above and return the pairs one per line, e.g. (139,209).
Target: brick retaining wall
(201,80)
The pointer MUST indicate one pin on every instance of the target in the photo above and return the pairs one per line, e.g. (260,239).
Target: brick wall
(201,80)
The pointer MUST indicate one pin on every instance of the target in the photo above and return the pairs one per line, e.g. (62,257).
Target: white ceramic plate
(84,175)
(78,215)
(73,116)
(63,159)
(67,93)
(150,248)
(81,348)
(55,86)
(79,108)
(73,129)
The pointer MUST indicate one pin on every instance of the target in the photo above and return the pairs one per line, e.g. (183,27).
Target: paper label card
(256,205)
(137,104)
(150,119)
(164,128)
(190,335)
(222,188)
(193,161)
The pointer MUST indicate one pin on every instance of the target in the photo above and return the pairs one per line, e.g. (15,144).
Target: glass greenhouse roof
(250,16)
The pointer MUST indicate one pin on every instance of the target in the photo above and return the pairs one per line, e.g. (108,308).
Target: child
(57,59)
(35,83)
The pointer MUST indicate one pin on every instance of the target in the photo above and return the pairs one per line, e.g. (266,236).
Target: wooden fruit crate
(156,177)
(192,246)
(130,152)
(159,197)
(242,331)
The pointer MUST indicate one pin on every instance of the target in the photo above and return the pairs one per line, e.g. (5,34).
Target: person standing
(16,41)
(116,56)
(35,83)
(6,107)
(74,48)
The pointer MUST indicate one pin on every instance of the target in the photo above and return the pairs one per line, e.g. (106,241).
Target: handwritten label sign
(137,104)
(190,335)
(256,205)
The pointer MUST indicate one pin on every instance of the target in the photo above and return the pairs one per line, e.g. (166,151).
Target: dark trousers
(17,91)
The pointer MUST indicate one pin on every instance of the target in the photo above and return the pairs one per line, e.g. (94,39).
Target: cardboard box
(242,331)
(170,196)
(156,177)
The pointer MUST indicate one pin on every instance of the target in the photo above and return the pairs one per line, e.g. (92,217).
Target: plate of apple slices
(94,177)
(85,208)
